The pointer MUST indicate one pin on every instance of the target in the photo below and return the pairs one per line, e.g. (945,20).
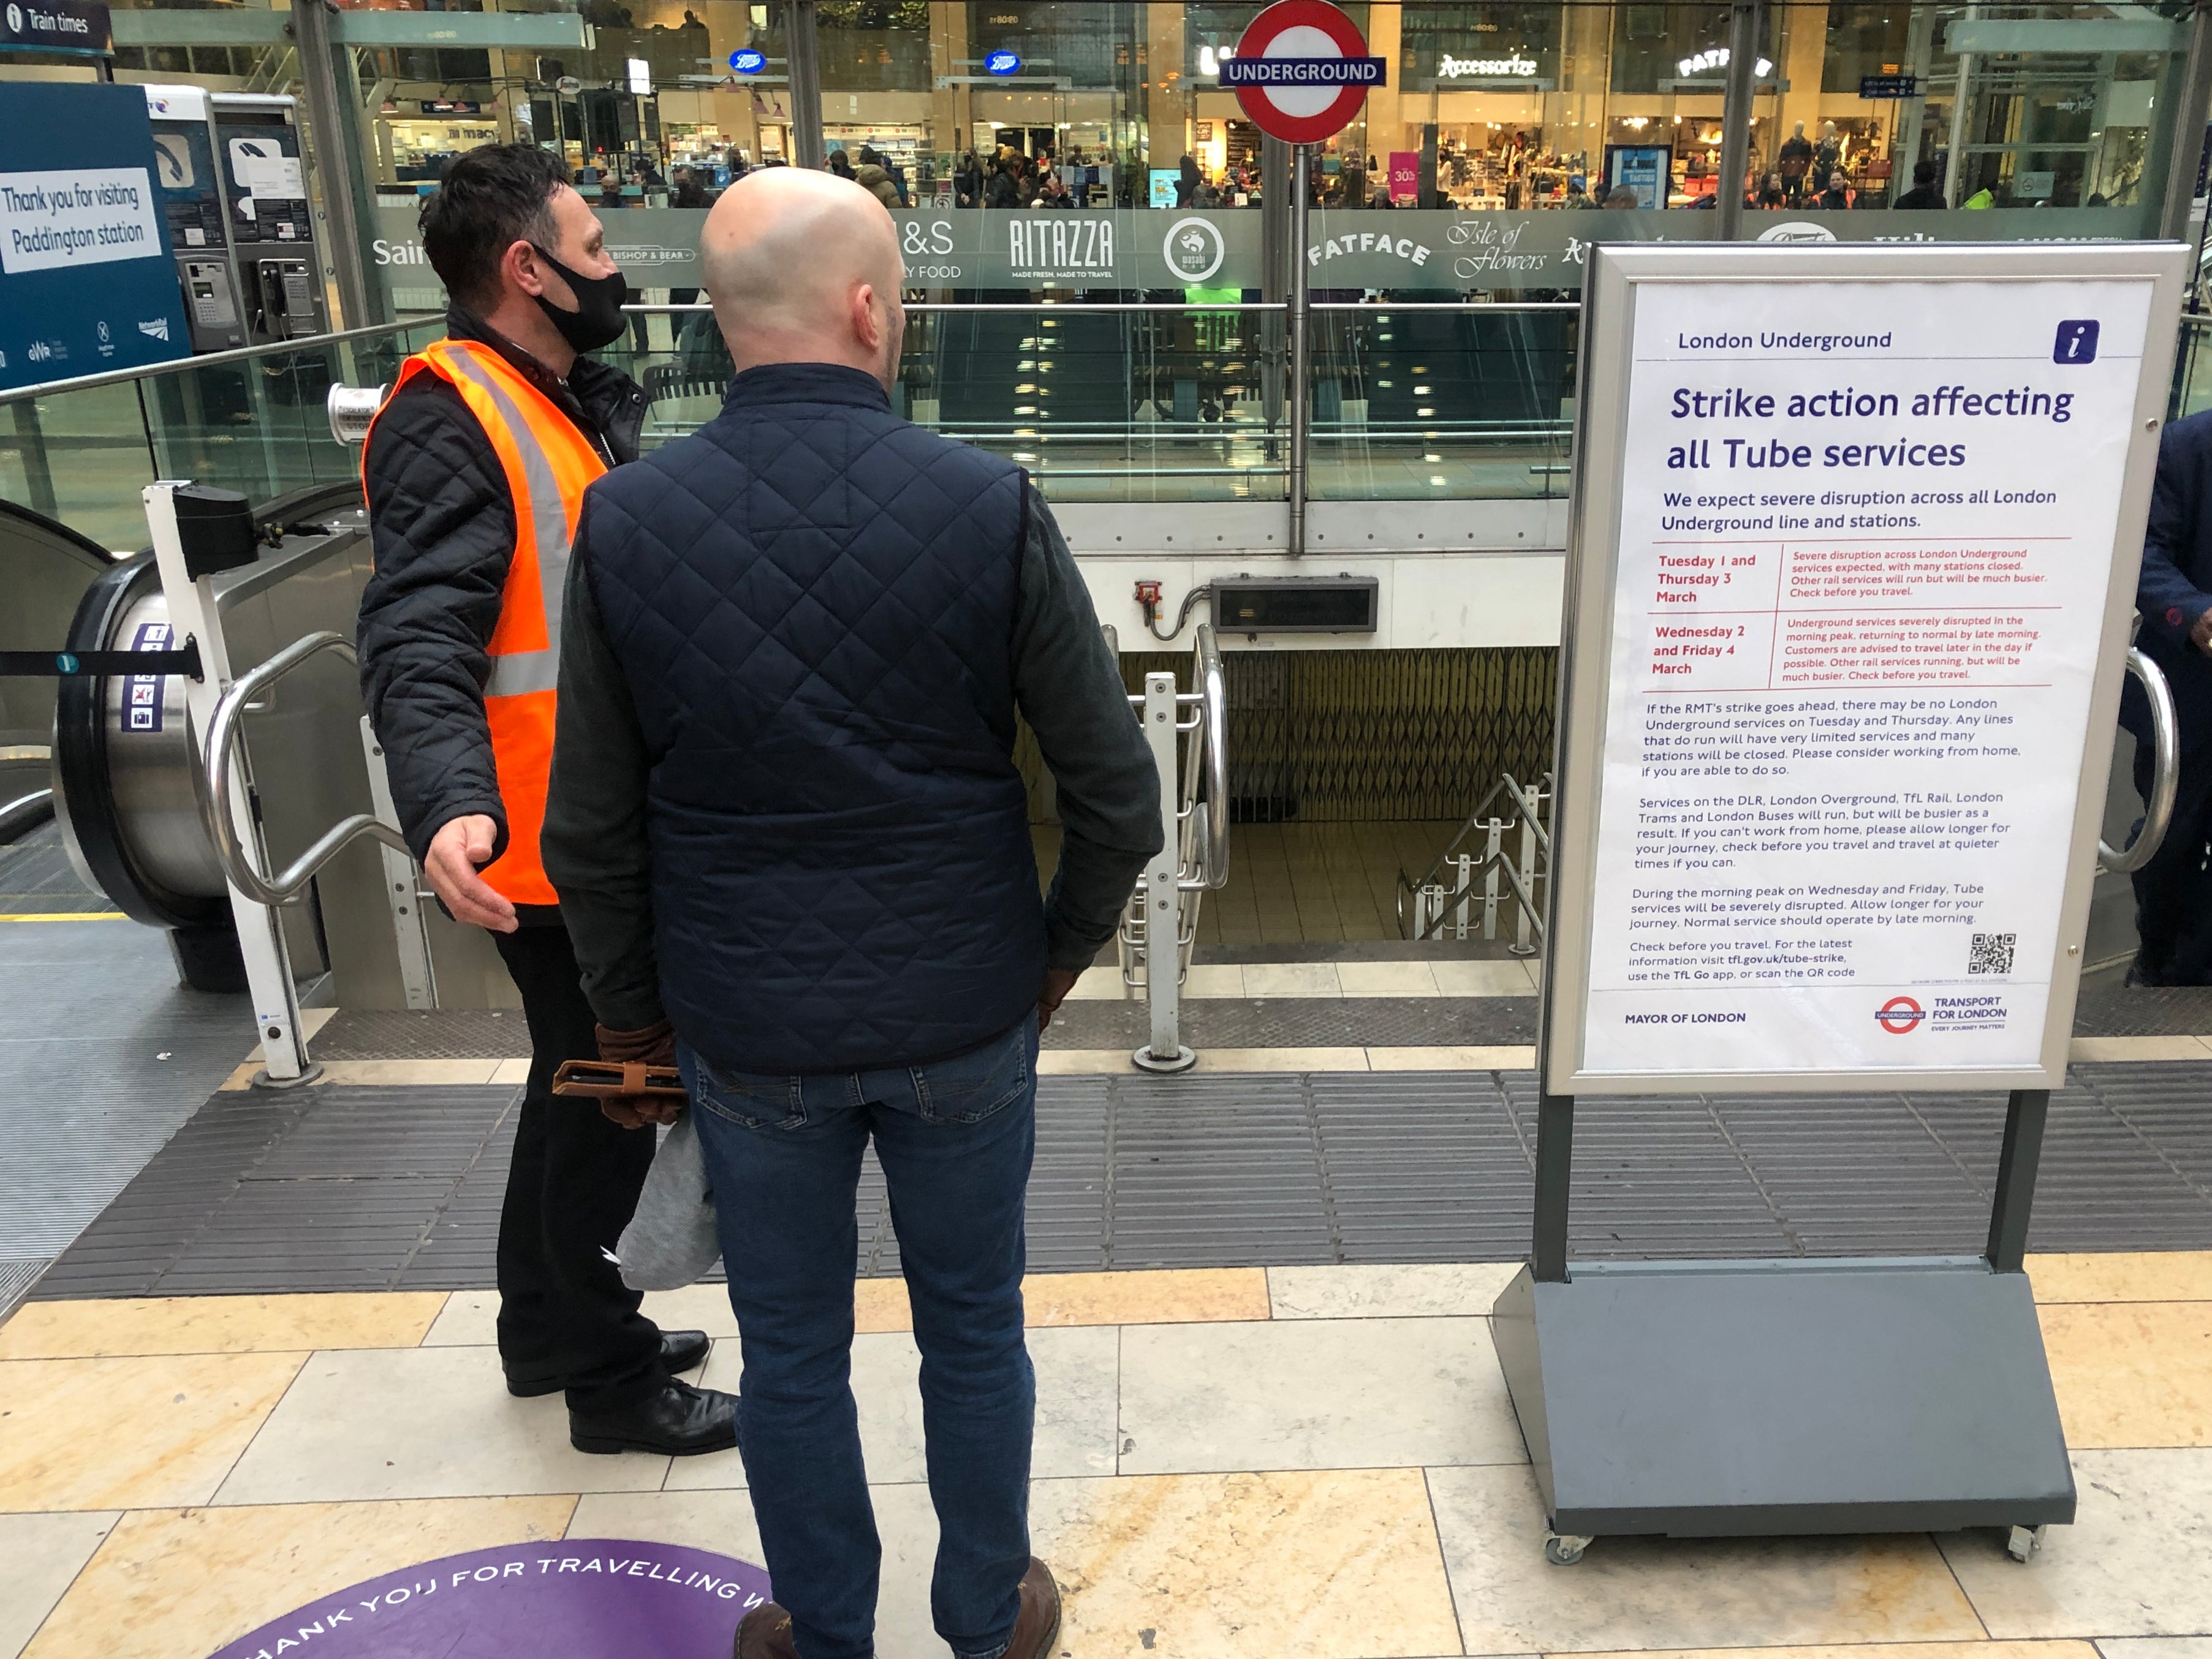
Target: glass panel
(255,426)
(1173,405)
(1434,403)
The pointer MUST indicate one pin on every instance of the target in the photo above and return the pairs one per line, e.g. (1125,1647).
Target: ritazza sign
(1057,247)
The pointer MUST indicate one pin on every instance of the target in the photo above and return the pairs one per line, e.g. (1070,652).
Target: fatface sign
(1862,541)
(1301,70)
(582,1598)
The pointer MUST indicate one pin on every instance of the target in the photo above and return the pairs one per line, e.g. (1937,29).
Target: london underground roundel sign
(1301,71)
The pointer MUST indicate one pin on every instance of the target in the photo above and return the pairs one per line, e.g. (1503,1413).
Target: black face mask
(598,317)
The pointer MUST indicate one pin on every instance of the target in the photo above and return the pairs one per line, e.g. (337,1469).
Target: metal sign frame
(1618,271)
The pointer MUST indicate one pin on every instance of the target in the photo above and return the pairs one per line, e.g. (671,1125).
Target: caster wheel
(2023,1542)
(1565,1550)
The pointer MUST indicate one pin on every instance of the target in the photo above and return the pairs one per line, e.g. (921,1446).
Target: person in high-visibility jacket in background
(475,471)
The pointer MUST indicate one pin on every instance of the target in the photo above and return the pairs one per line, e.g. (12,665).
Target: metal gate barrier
(1161,918)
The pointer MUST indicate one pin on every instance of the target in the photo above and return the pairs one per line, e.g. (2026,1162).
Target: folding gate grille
(1338,736)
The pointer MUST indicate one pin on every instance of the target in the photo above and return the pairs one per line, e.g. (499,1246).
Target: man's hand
(456,851)
(1058,983)
(2200,634)
(655,1046)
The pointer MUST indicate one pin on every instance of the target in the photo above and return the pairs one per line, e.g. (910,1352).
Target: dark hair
(489,198)
(1923,173)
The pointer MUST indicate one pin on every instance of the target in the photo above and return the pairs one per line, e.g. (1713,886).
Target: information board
(1854,552)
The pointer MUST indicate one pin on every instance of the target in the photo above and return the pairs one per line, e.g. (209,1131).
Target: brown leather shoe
(1036,1626)
(765,1633)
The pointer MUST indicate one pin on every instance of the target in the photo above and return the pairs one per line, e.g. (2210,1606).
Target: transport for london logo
(1899,1015)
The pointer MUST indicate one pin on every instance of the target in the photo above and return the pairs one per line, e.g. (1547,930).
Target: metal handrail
(212,360)
(1213,827)
(1522,883)
(954,307)
(2165,773)
(243,871)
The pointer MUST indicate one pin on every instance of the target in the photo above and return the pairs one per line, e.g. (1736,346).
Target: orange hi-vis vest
(547,463)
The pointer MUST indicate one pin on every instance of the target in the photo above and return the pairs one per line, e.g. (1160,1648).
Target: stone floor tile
(1386,979)
(1213,979)
(1313,1395)
(1979,1650)
(399,1423)
(1101,984)
(1328,1564)
(1291,979)
(2131,1373)
(41,1555)
(1416,1291)
(693,1308)
(512,1073)
(178,1584)
(723,1521)
(1657,1593)
(2156,1647)
(1168,1297)
(218,1324)
(2084,1051)
(131,1433)
(2122,1276)
(397,1074)
(1211,1060)
(1504,1058)
(1076,1378)
(2133,1563)
(1082,1062)
(470,1319)
(1507,977)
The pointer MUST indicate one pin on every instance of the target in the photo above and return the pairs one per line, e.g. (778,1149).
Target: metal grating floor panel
(400,1189)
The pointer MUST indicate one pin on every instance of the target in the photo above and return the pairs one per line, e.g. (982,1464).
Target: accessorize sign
(1862,571)
(580,1598)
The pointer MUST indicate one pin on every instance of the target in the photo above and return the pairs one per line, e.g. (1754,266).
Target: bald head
(804,267)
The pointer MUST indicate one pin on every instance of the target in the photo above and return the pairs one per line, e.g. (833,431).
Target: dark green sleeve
(594,841)
(1070,691)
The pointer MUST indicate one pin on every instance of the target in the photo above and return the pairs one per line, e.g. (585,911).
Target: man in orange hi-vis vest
(475,471)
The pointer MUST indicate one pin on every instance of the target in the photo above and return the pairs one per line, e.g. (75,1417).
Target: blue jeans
(783,1156)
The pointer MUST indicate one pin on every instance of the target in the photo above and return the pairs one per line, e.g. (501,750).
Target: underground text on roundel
(1859,587)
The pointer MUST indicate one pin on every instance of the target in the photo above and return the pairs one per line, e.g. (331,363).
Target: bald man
(793,850)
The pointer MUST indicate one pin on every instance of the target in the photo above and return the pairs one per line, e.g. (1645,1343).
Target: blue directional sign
(747,62)
(1001,62)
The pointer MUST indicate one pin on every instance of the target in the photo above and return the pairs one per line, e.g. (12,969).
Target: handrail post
(1301,410)
(1163,901)
(193,615)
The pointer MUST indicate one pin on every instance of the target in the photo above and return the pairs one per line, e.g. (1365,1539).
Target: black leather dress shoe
(679,1421)
(680,1352)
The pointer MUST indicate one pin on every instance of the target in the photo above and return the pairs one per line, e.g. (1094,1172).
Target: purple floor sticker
(582,1598)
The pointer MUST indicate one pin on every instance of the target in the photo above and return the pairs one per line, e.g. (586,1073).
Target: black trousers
(564,1313)
(2173,891)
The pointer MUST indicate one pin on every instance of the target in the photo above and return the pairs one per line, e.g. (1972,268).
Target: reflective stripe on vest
(547,462)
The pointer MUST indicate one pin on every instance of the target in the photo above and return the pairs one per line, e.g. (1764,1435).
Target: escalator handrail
(244,871)
(2165,773)
(1214,694)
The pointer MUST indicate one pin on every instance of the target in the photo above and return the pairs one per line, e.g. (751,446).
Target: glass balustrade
(250,420)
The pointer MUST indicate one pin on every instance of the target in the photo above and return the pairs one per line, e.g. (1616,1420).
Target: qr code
(1992,953)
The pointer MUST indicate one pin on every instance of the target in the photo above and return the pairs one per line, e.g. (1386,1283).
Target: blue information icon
(2076,342)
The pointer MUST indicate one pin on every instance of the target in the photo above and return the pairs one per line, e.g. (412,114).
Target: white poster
(1865,538)
(87,218)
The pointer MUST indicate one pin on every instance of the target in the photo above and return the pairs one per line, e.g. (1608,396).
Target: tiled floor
(1291,1463)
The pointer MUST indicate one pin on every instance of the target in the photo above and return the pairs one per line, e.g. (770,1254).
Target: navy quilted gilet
(813,601)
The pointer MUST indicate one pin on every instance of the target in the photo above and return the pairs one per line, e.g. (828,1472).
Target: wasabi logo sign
(580,1598)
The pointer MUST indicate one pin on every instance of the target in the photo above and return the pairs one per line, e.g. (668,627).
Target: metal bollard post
(1163,894)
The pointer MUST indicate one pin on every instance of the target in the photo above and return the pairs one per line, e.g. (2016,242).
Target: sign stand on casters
(1847,605)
